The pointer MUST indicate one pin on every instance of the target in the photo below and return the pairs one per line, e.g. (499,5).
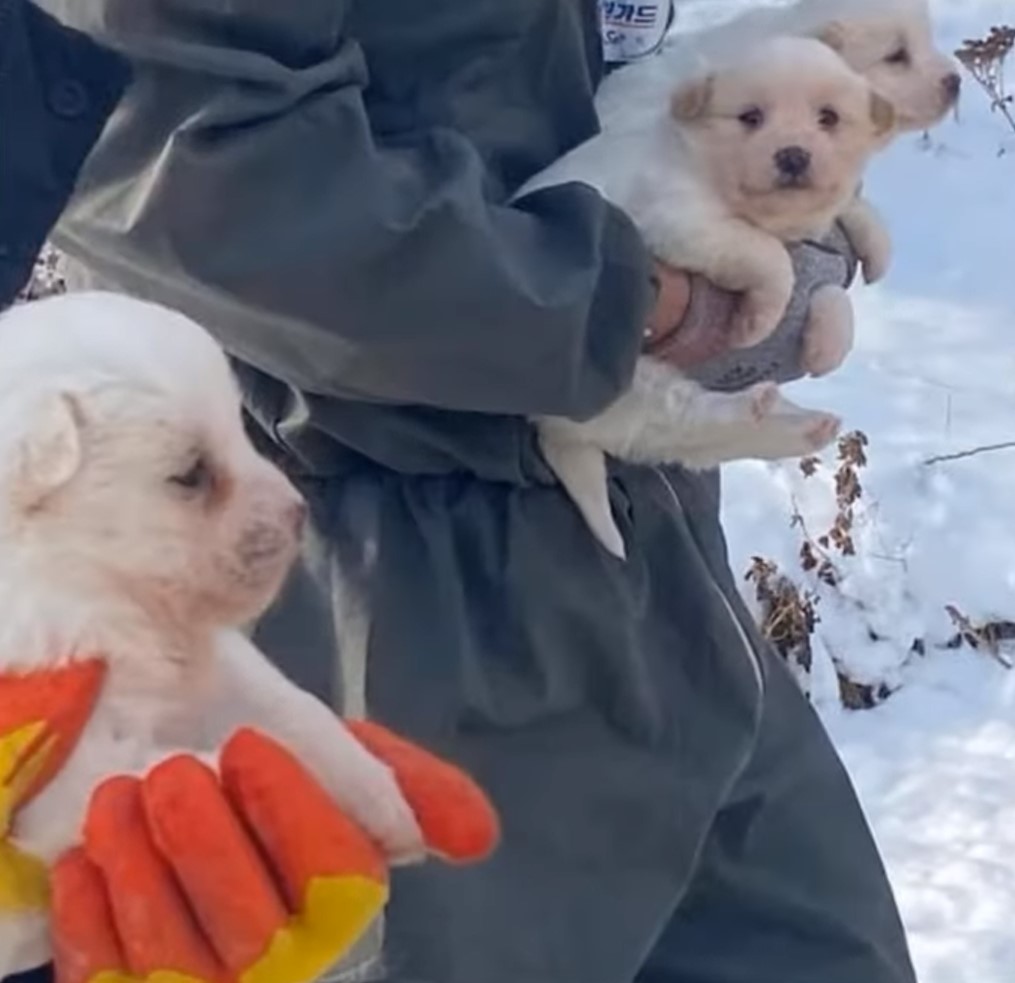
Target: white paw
(751,326)
(822,430)
(366,789)
(762,399)
(377,804)
(828,337)
(823,352)
(789,431)
(876,256)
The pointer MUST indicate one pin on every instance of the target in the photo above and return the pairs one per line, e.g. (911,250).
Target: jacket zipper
(752,655)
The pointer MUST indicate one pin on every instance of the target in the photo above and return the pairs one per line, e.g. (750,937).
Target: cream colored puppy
(889,42)
(736,163)
(137,524)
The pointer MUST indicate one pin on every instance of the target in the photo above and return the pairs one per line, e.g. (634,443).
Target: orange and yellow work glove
(250,875)
(42,714)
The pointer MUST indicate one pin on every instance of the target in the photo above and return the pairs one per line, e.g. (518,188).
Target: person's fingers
(216,864)
(155,927)
(456,817)
(673,295)
(85,945)
(706,331)
(331,874)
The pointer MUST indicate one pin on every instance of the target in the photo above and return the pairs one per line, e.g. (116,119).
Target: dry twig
(972,452)
(986,637)
(984,59)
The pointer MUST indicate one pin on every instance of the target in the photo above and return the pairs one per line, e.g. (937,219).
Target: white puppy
(889,42)
(736,163)
(137,524)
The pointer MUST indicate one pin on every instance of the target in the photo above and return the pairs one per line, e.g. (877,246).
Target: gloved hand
(251,874)
(41,717)
(700,344)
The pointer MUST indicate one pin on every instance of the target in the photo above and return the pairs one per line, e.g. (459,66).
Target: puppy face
(784,136)
(125,468)
(895,52)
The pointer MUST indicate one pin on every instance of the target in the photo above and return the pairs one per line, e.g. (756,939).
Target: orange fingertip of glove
(293,817)
(86,945)
(331,874)
(157,928)
(458,821)
(214,860)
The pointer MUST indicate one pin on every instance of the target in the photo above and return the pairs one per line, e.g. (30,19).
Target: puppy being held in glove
(738,162)
(139,530)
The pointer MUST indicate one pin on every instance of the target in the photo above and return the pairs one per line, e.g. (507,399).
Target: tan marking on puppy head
(49,455)
(690,101)
(882,114)
(894,50)
(125,466)
(833,35)
(786,134)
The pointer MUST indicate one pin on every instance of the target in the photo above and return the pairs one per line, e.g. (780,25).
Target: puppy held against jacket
(740,160)
(889,42)
(138,531)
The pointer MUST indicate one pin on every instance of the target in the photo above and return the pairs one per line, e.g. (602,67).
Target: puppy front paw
(876,256)
(763,304)
(822,430)
(762,399)
(755,319)
(828,336)
(784,430)
(868,238)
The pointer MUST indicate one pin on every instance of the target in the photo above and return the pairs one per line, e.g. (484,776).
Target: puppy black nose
(952,85)
(792,161)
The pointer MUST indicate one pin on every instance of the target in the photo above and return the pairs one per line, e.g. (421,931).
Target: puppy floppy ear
(691,100)
(833,35)
(882,114)
(50,452)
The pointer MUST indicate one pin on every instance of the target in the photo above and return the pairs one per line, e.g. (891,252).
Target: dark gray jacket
(57,89)
(663,787)
(324,185)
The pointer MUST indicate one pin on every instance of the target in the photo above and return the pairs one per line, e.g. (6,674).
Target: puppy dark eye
(198,477)
(828,118)
(752,118)
(898,57)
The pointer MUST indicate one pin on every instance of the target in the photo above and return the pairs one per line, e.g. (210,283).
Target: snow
(932,373)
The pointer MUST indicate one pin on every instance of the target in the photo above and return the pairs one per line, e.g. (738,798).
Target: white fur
(866,34)
(105,402)
(875,30)
(667,173)
(665,417)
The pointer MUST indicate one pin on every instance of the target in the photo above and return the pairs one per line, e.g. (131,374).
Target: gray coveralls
(324,184)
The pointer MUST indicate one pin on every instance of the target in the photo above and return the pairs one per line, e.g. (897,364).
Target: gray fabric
(662,819)
(777,357)
(396,139)
(757,908)
(393,323)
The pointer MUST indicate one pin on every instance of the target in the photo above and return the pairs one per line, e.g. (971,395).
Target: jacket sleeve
(325,256)
(57,90)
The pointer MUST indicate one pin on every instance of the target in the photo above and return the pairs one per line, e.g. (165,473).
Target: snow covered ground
(933,373)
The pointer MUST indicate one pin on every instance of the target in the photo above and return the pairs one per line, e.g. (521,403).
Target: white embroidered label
(633,30)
